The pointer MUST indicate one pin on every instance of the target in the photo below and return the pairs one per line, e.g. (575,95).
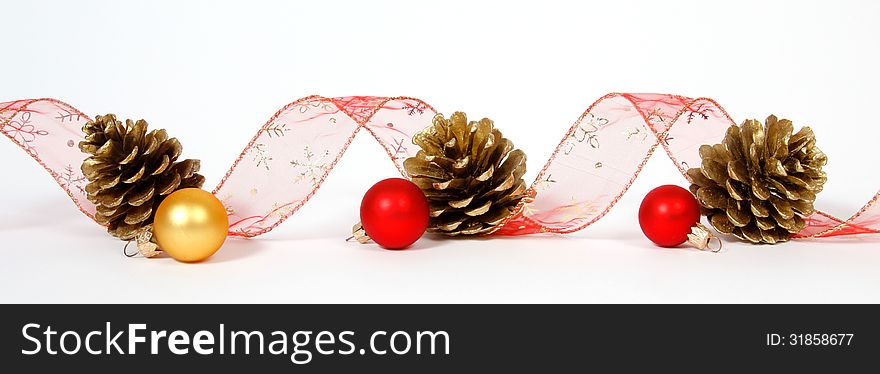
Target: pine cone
(760,182)
(130,171)
(470,174)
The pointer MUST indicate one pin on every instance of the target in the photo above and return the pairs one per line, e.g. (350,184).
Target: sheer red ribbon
(288,159)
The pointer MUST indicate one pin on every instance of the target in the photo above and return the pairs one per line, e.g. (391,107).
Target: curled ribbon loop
(288,159)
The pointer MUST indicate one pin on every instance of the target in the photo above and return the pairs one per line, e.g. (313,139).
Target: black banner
(432,338)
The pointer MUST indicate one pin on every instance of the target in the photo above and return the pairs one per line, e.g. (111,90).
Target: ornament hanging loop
(125,250)
(720,244)
(700,237)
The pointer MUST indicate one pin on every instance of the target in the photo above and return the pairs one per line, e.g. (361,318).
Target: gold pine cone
(470,174)
(761,181)
(131,171)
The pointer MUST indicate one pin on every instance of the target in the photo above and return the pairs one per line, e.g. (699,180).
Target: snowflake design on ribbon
(701,110)
(656,115)
(313,167)
(413,108)
(260,151)
(68,116)
(636,133)
(325,105)
(277,130)
(586,132)
(545,183)
(70,178)
(23,131)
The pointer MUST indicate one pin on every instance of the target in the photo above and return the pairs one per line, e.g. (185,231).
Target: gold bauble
(190,225)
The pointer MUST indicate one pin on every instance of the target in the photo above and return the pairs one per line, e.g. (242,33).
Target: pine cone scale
(737,216)
(137,130)
(138,214)
(800,140)
(478,211)
(486,174)
(195,181)
(152,144)
(715,171)
(782,207)
(416,167)
(141,195)
(759,208)
(443,162)
(109,149)
(454,184)
(482,138)
(495,155)
(435,210)
(736,190)
(461,203)
(458,129)
(124,230)
(163,164)
(111,198)
(136,176)
(495,216)
(92,168)
(765,223)
(186,168)
(107,215)
(768,236)
(738,171)
(108,182)
(514,194)
(168,185)
(713,197)
(803,207)
(427,146)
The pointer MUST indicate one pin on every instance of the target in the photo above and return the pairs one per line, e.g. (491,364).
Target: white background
(213,72)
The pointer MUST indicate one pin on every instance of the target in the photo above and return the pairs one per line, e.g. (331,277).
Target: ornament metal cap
(358,233)
(145,245)
(700,236)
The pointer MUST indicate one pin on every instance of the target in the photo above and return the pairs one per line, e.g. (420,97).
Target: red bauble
(667,215)
(394,213)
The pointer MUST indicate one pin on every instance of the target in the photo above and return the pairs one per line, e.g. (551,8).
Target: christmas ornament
(470,174)
(394,214)
(190,225)
(130,171)
(761,181)
(669,216)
